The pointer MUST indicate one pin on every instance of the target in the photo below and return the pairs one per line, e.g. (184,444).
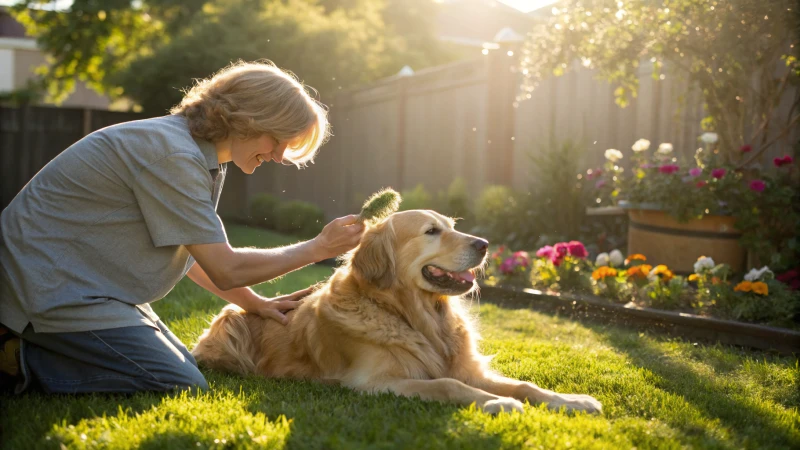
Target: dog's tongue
(465,275)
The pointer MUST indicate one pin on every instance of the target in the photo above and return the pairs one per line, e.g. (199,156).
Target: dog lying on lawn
(389,320)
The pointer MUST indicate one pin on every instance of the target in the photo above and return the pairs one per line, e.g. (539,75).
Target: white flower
(665,148)
(709,137)
(757,274)
(602,260)
(652,276)
(703,263)
(613,155)
(641,145)
(616,258)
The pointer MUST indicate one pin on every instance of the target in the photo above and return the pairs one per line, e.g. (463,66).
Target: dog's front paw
(502,404)
(576,402)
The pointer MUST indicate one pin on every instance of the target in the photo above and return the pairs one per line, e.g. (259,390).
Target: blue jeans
(119,360)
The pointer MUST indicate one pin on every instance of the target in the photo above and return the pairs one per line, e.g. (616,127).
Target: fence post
(402,94)
(87,121)
(500,112)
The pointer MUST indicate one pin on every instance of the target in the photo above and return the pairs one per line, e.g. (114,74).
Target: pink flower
(758,185)
(555,259)
(544,252)
(779,162)
(701,183)
(646,166)
(696,172)
(508,266)
(669,168)
(521,258)
(599,184)
(577,249)
(560,250)
(718,173)
(745,148)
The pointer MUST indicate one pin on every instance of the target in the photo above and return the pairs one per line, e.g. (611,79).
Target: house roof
(474,22)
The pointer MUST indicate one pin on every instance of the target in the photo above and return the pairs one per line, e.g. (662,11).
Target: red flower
(758,185)
(577,249)
(718,173)
(701,183)
(779,162)
(745,148)
(669,168)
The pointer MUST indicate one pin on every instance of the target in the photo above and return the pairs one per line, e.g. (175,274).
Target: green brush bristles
(380,205)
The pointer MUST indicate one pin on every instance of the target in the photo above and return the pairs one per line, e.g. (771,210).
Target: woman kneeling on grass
(116,220)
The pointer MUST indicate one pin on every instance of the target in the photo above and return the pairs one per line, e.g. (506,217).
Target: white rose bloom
(616,258)
(602,260)
(665,148)
(613,155)
(709,137)
(703,263)
(756,274)
(641,145)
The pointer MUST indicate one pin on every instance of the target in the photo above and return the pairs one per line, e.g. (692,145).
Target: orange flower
(635,257)
(760,288)
(639,271)
(663,272)
(693,277)
(715,281)
(744,286)
(603,272)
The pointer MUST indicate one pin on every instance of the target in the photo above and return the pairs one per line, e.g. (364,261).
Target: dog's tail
(227,345)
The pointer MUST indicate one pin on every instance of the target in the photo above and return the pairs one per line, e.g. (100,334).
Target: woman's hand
(275,308)
(339,236)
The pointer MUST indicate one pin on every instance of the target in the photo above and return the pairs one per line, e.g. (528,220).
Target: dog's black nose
(480,245)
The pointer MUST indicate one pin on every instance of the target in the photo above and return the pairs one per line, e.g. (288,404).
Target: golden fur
(384,323)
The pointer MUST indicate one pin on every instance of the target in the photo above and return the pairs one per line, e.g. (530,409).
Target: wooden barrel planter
(664,240)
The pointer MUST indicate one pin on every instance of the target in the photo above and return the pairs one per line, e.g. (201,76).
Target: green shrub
(417,198)
(456,202)
(263,210)
(777,308)
(300,218)
(497,214)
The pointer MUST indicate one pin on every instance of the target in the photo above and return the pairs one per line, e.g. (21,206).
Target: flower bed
(711,291)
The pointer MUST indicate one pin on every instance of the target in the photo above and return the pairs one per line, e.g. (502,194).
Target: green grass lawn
(656,393)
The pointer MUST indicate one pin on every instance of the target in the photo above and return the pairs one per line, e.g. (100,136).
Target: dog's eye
(433,231)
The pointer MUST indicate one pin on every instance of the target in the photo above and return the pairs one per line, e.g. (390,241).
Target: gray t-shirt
(100,231)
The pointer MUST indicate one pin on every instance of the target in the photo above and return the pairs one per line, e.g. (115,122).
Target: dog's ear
(374,257)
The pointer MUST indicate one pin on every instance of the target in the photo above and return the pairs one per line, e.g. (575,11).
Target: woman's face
(249,154)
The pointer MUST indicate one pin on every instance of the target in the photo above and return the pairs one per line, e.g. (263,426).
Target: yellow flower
(603,272)
(663,272)
(693,277)
(744,286)
(760,288)
(635,257)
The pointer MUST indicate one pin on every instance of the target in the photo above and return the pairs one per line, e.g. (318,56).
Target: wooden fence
(31,136)
(458,120)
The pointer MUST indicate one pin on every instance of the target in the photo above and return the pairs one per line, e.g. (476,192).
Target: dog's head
(421,249)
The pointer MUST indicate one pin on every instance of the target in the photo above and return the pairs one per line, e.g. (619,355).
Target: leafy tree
(150,50)
(731,50)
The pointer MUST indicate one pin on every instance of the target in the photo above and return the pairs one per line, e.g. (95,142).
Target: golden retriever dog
(389,319)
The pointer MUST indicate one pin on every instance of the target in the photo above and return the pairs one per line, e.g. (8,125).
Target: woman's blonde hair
(249,99)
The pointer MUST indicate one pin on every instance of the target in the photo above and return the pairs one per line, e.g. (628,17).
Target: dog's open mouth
(447,280)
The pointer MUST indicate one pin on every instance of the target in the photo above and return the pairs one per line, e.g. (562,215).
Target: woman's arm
(231,268)
(248,299)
